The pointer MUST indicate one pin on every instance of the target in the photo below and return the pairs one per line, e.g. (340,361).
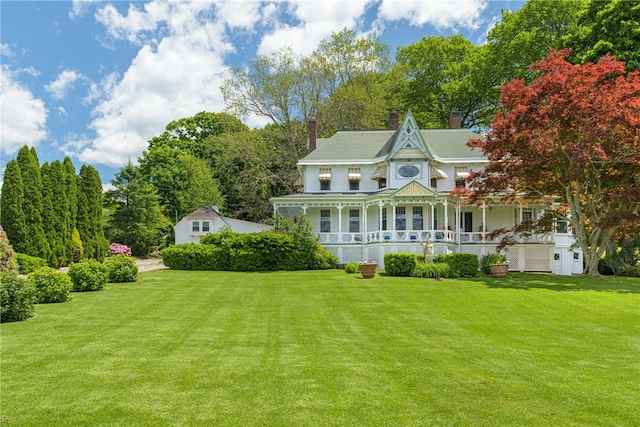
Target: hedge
(434,270)
(28,264)
(466,265)
(400,264)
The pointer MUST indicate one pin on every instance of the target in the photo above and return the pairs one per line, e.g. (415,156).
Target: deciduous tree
(573,133)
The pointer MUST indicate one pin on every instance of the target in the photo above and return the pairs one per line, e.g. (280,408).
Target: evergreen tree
(11,213)
(62,208)
(89,221)
(52,217)
(37,244)
(71,183)
(138,220)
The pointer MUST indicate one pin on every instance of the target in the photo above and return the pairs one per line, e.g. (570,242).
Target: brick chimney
(394,121)
(312,134)
(455,120)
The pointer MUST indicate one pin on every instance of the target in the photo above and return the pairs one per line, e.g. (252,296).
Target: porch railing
(408,236)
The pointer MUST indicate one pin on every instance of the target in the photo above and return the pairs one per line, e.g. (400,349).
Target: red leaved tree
(573,134)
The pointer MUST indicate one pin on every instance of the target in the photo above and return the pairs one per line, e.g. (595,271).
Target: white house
(207,220)
(368,193)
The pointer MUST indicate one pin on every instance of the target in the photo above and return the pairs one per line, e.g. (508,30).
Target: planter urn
(368,269)
(499,270)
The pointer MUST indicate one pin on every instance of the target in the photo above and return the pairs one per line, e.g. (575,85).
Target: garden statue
(427,250)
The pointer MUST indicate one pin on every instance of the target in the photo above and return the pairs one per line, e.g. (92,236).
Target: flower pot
(499,270)
(368,269)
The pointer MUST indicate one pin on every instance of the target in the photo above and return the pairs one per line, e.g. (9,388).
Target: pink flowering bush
(8,257)
(118,248)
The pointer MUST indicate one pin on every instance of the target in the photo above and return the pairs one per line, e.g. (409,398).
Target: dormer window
(461,174)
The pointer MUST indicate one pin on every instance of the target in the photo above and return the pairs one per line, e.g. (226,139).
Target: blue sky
(95,80)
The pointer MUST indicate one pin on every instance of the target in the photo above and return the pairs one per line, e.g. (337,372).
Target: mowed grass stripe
(326,348)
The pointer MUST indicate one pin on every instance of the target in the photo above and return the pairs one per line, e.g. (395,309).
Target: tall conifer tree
(89,221)
(52,221)
(37,244)
(71,183)
(11,213)
(62,208)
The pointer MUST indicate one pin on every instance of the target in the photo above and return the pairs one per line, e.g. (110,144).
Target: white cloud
(5,50)
(22,116)
(317,20)
(442,14)
(178,77)
(60,86)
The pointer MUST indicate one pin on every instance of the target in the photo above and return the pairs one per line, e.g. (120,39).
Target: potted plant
(368,269)
(496,264)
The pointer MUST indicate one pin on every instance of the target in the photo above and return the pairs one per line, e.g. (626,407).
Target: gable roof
(367,146)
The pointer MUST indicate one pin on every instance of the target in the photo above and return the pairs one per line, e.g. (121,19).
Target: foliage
(17,296)
(434,270)
(35,243)
(50,285)
(88,275)
(122,268)
(400,264)
(28,263)
(76,241)
(191,256)
(607,27)
(53,222)
(441,75)
(119,249)
(71,215)
(311,255)
(493,258)
(465,265)
(13,218)
(573,132)
(8,258)
(89,222)
(138,220)
(351,267)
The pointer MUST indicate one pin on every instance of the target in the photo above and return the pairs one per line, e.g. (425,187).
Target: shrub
(465,265)
(121,268)
(119,249)
(17,296)
(491,259)
(400,264)
(50,285)
(28,263)
(351,267)
(8,261)
(631,271)
(88,275)
(191,256)
(434,270)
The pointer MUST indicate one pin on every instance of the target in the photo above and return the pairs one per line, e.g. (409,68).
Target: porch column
(446,219)
(380,204)
(458,212)
(484,222)
(433,218)
(340,219)
(364,223)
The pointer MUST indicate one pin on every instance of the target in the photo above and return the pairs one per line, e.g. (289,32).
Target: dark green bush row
(28,264)
(121,269)
(434,271)
(493,258)
(400,264)
(88,275)
(17,296)
(51,286)
(466,265)
(263,251)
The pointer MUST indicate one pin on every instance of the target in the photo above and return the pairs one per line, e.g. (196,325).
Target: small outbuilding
(207,220)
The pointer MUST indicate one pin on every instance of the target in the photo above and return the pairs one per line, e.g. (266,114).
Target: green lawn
(326,348)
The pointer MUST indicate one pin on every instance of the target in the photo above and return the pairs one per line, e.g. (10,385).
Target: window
(325,179)
(401,218)
(382,183)
(562,227)
(325,221)
(460,183)
(434,182)
(195,227)
(354,179)
(384,218)
(205,226)
(417,218)
(466,221)
(354,221)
